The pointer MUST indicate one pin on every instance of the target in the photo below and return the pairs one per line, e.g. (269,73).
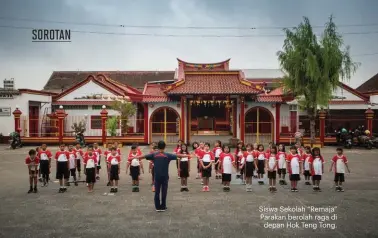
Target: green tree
(314,66)
(126,110)
(112,125)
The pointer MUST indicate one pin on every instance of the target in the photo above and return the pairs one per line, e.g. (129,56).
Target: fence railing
(93,126)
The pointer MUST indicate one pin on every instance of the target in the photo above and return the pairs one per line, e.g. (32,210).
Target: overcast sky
(31,64)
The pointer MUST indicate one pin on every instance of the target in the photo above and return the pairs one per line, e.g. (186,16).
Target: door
(165,125)
(33,121)
(258,126)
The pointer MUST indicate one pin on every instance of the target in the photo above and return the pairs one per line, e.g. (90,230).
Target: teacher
(161,161)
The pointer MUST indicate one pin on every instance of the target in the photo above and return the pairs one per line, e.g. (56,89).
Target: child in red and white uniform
(299,149)
(306,157)
(32,161)
(177,150)
(255,150)
(151,167)
(249,166)
(226,162)
(206,159)
(238,155)
(114,162)
(90,167)
(72,163)
(97,151)
(135,165)
(317,168)
(269,147)
(198,149)
(294,164)
(45,163)
(79,157)
(271,167)
(107,153)
(184,167)
(242,166)
(281,164)
(62,167)
(261,157)
(118,150)
(339,162)
(217,150)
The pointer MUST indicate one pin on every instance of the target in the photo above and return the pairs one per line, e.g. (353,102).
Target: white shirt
(282,160)
(184,159)
(44,156)
(249,157)
(294,164)
(206,158)
(318,166)
(218,151)
(78,155)
(113,161)
(272,161)
(72,161)
(62,158)
(90,164)
(261,156)
(227,164)
(340,165)
(135,162)
(306,164)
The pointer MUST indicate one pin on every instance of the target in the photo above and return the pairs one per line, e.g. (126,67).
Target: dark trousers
(161,183)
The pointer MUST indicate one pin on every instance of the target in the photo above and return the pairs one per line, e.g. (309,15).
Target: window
(96,122)
(96,107)
(293,107)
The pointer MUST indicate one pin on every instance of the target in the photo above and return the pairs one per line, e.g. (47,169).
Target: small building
(195,102)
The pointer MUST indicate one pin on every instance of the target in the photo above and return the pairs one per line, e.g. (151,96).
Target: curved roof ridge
(221,62)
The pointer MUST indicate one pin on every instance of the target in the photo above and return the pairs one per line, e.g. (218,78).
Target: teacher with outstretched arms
(161,162)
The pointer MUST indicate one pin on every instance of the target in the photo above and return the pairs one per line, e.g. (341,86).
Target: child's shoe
(116,190)
(207,189)
(76,183)
(137,189)
(112,190)
(284,182)
(204,189)
(341,189)
(182,189)
(60,190)
(35,190)
(30,190)
(108,184)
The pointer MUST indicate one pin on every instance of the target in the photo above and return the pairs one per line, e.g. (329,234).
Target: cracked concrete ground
(194,214)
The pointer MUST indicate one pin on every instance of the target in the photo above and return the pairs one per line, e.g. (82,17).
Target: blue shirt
(161,163)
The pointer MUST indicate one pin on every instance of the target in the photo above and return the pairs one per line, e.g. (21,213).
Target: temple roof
(62,80)
(229,82)
(370,86)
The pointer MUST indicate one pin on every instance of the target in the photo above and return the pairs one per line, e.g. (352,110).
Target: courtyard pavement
(237,214)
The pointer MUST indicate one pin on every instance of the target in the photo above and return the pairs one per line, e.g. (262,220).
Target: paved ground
(194,214)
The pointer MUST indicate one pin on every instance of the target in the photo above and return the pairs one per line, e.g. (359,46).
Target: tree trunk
(312,116)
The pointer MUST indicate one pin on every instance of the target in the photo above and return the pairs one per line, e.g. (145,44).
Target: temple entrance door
(165,125)
(33,121)
(259,126)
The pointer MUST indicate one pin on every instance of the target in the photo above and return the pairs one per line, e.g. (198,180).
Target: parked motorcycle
(344,138)
(15,140)
(363,139)
(80,138)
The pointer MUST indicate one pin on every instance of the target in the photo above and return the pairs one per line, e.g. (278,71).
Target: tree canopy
(314,66)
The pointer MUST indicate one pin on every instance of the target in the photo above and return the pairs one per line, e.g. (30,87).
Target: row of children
(250,159)
(68,163)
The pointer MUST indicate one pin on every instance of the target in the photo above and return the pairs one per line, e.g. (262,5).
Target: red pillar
(104,117)
(17,119)
(278,122)
(145,129)
(242,118)
(369,115)
(322,115)
(182,122)
(61,114)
